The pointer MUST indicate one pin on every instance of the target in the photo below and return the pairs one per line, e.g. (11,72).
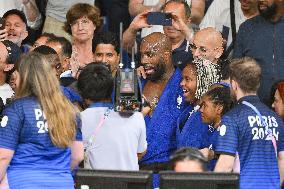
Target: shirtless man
(164,99)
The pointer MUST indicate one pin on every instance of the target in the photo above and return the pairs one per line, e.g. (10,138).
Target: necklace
(152,103)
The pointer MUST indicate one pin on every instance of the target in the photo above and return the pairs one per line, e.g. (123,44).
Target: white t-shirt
(6,92)
(218,15)
(117,142)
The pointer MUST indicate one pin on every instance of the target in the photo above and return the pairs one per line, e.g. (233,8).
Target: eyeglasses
(202,49)
(84,22)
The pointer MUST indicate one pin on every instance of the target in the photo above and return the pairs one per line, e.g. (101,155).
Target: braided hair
(208,73)
(221,96)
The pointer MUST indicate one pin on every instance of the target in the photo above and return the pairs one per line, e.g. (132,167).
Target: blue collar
(251,98)
(101,104)
(224,84)
(182,47)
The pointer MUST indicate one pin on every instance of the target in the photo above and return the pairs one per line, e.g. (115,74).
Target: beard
(269,12)
(159,70)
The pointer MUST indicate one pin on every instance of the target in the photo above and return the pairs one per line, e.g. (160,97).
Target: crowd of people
(212,88)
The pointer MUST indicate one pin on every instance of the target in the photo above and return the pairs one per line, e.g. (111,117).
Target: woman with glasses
(41,140)
(82,22)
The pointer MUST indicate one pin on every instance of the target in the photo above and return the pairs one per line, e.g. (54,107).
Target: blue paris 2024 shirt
(36,163)
(241,131)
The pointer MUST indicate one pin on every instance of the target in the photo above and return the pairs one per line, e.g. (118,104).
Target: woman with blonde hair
(40,136)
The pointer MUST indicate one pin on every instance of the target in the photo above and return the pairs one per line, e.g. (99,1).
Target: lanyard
(267,129)
(109,106)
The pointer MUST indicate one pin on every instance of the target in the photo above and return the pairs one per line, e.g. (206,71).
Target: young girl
(214,104)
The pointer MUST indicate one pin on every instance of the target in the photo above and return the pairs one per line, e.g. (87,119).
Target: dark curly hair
(221,96)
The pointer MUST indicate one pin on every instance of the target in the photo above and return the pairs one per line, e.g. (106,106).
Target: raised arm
(136,7)
(129,36)
(32,13)
(197,11)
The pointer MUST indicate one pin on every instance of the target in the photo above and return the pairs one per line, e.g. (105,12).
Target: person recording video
(113,141)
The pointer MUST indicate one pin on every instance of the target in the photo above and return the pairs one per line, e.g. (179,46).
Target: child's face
(209,111)
(189,83)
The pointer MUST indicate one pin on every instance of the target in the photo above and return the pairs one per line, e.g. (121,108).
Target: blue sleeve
(227,139)
(79,129)
(10,129)
(71,95)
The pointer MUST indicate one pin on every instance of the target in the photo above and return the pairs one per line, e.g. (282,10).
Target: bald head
(157,42)
(208,44)
(210,35)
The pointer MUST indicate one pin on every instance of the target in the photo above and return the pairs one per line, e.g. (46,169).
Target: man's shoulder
(236,112)
(23,106)
(178,72)
(252,23)
(92,112)
(25,101)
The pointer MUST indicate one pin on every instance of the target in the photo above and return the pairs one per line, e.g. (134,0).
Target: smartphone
(159,18)
(2,23)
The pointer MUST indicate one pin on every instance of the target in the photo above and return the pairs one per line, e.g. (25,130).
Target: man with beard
(207,49)
(251,129)
(262,38)
(218,16)
(16,27)
(164,101)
